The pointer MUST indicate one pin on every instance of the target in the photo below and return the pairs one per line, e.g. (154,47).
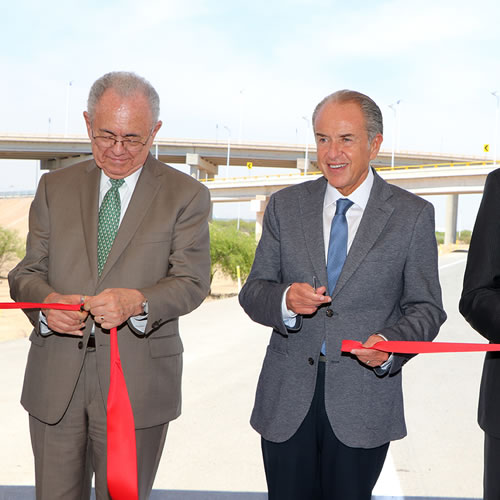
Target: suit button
(156,324)
(329,312)
(80,345)
(310,361)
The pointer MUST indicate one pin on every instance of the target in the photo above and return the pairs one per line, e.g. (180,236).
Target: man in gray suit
(154,270)
(367,273)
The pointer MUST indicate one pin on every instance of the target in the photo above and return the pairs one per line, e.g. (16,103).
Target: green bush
(11,246)
(230,248)
(246,226)
(464,236)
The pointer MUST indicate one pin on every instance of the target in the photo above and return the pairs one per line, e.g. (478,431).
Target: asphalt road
(212,453)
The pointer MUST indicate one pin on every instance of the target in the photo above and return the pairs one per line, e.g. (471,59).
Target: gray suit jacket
(161,248)
(389,285)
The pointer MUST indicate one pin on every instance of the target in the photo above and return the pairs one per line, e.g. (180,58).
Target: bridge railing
(437,165)
(313,173)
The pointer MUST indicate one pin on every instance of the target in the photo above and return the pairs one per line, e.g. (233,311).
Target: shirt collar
(359,196)
(130,181)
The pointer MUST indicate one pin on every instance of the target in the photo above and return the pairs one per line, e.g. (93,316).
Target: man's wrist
(286,313)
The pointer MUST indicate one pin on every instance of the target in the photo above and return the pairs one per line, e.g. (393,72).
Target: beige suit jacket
(161,248)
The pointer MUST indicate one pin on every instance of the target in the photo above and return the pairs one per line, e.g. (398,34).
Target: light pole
(307,145)
(495,144)
(394,106)
(228,149)
(67,108)
(241,116)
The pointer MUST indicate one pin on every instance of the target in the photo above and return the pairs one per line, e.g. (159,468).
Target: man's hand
(371,357)
(302,298)
(69,322)
(114,306)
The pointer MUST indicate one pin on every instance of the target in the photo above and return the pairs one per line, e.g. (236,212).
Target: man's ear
(155,130)
(375,146)
(86,117)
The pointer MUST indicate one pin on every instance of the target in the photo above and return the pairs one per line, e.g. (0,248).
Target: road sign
(486,148)
(249,165)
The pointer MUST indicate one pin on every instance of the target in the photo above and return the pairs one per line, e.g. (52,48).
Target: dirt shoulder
(13,322)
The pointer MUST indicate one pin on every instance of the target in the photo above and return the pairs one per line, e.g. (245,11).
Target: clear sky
(258,67)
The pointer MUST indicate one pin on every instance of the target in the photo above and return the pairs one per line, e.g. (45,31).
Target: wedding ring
(102,319)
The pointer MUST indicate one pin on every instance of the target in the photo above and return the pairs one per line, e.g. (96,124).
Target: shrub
(230,248)
(11,246)
(464,236)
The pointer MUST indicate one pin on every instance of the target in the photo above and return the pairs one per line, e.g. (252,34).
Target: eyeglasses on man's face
(131,144)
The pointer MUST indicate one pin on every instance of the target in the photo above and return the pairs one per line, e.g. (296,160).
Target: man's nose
(333,149)
(118,147)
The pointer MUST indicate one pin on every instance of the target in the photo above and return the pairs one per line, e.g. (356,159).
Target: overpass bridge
(206,157)
(419,172)
(450,179)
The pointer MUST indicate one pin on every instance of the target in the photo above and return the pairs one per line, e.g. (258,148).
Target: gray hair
(124,83)
(370,110)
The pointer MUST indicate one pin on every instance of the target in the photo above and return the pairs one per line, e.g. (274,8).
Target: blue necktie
(337,248)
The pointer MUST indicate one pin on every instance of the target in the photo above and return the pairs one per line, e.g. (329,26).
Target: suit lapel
(89,206)
(377,212)
(145,190)
(311,204)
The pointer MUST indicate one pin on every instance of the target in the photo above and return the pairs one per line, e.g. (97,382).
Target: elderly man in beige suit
(154,270)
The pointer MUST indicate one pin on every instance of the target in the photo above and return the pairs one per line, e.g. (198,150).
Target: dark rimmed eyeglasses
(130,144)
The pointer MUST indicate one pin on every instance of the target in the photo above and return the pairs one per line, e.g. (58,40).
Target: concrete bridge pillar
(53,164)
(450,234)
(201,168)
(259,206)
(301,165)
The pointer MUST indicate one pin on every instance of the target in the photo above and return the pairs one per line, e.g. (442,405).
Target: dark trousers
(491,480)
(314,465)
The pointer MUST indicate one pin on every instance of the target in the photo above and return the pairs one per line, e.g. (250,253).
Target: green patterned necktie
(109,220)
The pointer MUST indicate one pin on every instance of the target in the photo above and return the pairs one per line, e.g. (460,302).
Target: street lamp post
(67,108)
(228,149)
(306,160)
(495,144)
(394,106)
(241,117)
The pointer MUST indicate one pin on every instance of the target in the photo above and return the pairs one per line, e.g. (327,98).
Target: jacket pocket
(161,347)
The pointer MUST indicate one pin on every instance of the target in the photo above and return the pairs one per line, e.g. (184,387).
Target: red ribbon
(35,305)
(122,452)
(121,448)
(415,347)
